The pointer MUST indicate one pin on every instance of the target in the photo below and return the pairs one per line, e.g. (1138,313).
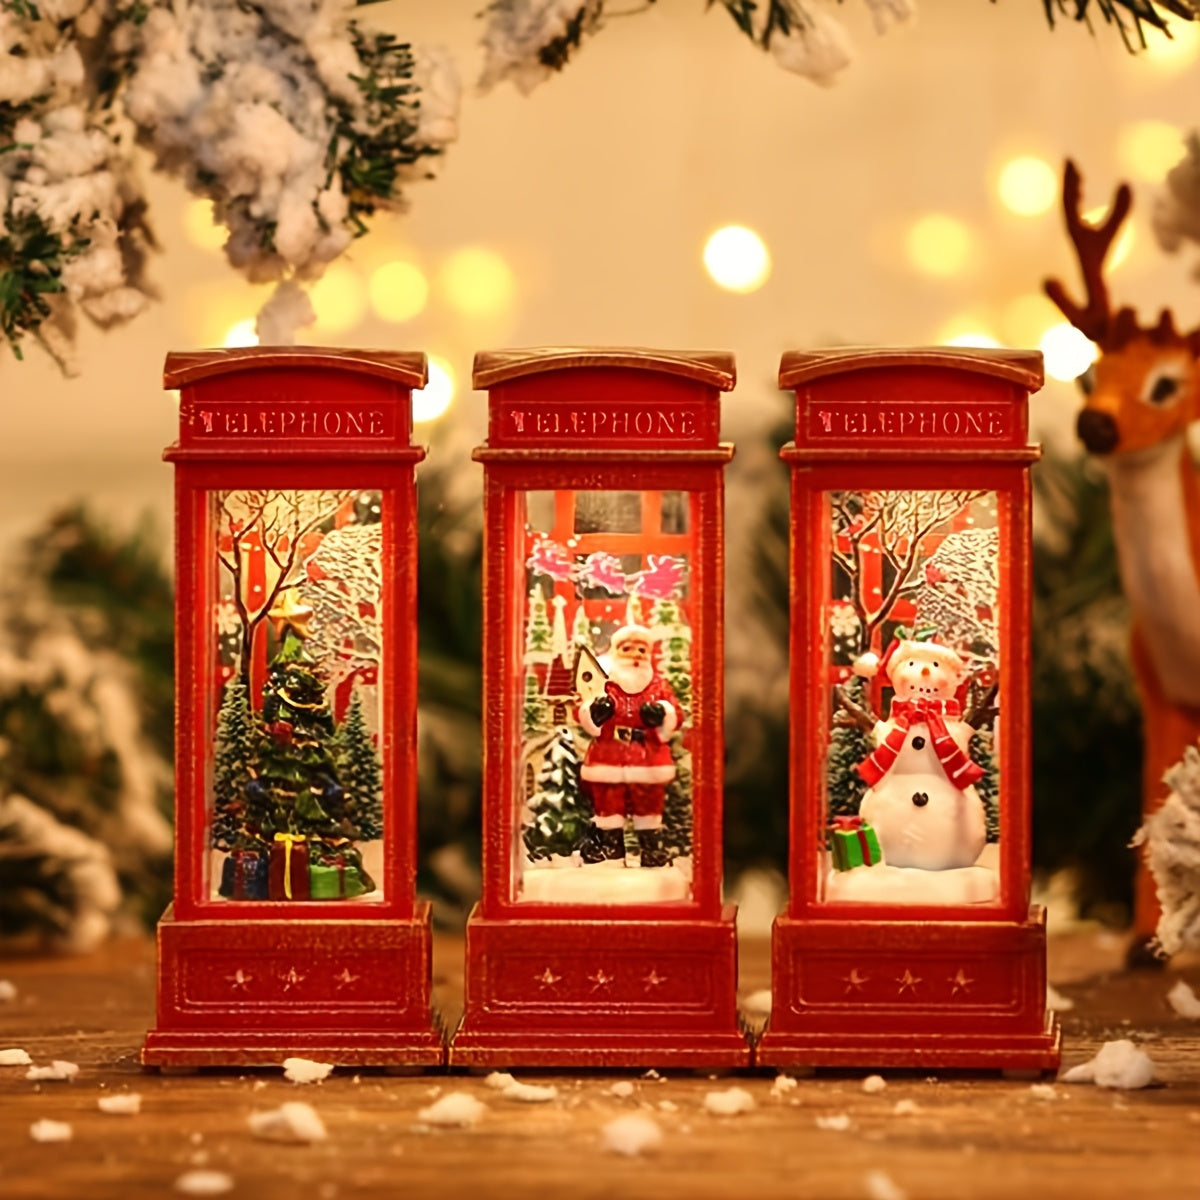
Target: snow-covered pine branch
(1171,841)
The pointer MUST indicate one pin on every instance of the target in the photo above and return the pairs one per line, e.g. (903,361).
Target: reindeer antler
(1093,319)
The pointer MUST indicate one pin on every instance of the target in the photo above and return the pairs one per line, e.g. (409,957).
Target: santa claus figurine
(921,801)
(628,764)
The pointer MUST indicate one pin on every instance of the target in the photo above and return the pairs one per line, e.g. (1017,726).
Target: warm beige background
(601,187)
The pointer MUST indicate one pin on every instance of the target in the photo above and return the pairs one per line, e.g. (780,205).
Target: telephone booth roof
(714,368)
(408,368)
(799,367)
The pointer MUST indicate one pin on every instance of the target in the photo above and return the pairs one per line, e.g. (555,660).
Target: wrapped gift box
(853,843)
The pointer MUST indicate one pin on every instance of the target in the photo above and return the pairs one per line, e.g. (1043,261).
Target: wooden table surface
(968,1137)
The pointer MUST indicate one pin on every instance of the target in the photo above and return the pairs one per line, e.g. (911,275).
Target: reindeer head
(1143,389)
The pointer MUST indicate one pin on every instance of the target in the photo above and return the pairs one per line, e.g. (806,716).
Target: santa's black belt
(624,734)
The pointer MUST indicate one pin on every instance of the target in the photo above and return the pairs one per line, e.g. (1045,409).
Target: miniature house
(294,928)
(601,938)
(909,938)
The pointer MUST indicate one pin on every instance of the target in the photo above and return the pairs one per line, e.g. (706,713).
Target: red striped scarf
(960,770)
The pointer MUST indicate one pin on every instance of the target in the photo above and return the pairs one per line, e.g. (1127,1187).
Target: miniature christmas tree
(559,815)
(233,755)
(581,629)
(361,773)
(533,714)
(539,637)
(677,805)
(848,746)
(982,750)
(676,660)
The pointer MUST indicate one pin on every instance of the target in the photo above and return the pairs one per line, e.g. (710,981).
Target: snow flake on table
(304,1070)
(458,1110)
(1118,1064)
(294,1121)
(51,1131)
(204,1183)
(908,982)
(631,1135)
(960,983)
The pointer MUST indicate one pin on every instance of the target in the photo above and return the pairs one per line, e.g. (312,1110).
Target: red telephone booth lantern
(600,938)
(294,929)
(909,939)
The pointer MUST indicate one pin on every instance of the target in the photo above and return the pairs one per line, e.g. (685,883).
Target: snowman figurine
(921,801)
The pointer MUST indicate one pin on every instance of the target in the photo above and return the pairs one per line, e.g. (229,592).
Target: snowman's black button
(918,742)
(920,799)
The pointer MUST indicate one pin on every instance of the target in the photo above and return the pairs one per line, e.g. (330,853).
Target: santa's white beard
(631,678)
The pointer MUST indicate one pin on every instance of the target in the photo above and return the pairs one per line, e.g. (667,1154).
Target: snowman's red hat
(923,649)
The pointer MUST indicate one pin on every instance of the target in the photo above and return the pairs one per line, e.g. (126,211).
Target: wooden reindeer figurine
(1141,394)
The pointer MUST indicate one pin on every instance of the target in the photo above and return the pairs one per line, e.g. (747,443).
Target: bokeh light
(966,330)
(398,291)
(437,394)
(1176,52)
(199,227)
(736,259)
(241,334)
(477,282)
(1026,318)
(1147,150)
(938,244)
(1028,186)
(339,299)
(1068,353)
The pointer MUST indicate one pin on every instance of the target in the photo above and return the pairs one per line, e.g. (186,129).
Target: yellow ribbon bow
(288,840)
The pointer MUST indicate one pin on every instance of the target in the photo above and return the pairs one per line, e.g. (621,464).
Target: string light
(1176,52)
(737,259)
(1149,149)
(1028,185)
(1025,319)
(339,299)
(966,331)
(241,334)
(437,394)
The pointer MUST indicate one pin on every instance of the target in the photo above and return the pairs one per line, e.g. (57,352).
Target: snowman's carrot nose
(925,670)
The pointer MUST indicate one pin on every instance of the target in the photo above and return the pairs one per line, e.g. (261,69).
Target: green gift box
(853,843)
(335,881)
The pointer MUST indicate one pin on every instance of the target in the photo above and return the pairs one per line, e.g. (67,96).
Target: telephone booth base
(927,995)
(254,992)
(601,993)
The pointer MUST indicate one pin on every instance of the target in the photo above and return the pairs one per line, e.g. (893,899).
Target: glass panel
(604,782)
(912,788)
(296,798)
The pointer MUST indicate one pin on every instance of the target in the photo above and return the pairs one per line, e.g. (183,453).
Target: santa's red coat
(616,756)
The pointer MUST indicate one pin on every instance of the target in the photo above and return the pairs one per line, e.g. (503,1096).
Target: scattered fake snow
(782,1085)
(838,1123)
(304,1070)
(668,1106)
(125,1104)
(758,1004)
(1043,1091)
(653,1074)
(8,991)
(632,1135)
(1119,1064)
(729,1103)
(906,1108)
(294,1121)
(50,1131)
(57,1070)
(14,1057)
(873,1084)
(1057,1002)
(623,1090)
(1184,1001)
(530,1093)
(457,1110)
(879,1185)
(204,1183)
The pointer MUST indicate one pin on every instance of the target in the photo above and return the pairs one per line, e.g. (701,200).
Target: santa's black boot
(651,843)
(602,844)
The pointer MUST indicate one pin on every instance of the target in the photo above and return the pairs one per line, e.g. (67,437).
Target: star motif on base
(854,981)
(653,980)
(908,982)
(345,979)
(292,979)
(600,980)
(547,978)
(960,983)
(239,981)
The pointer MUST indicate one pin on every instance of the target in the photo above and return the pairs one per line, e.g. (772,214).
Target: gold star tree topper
(290,611)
